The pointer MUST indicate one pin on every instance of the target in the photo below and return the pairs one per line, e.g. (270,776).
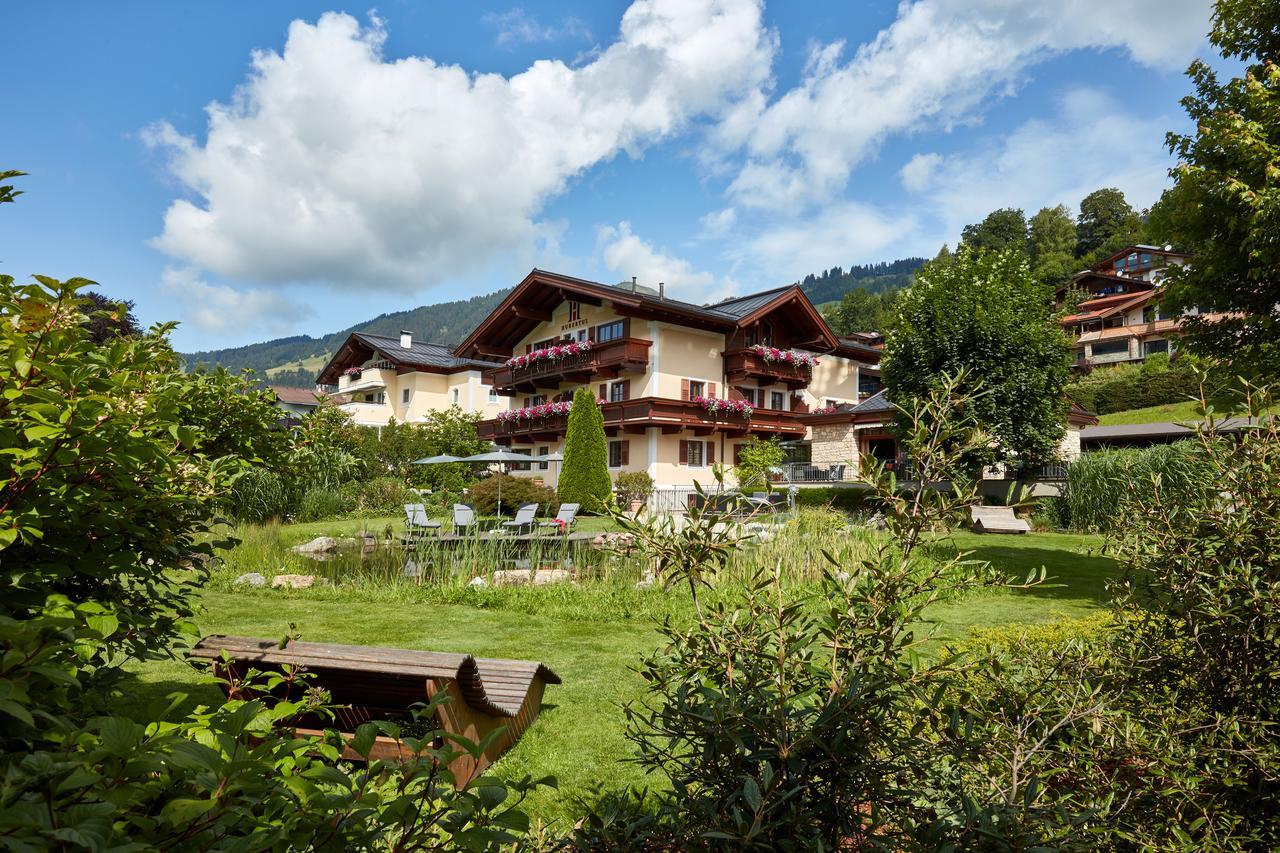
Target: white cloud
(718,223)
(919,171)
(935,66)
(628,255)
(1092,141)
(843,233)
(332,163)
(517,26)
(219,309)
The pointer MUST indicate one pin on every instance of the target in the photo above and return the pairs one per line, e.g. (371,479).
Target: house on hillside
(1122,321)
(379,378)
(683,386)
(295,401)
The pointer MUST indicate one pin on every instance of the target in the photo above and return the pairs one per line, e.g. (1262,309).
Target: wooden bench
(997,519)
(370,683)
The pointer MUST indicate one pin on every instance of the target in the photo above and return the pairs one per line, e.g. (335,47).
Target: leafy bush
(1052,513)
(261,495)
(850,500)
(381,496)
(755,459)
(584,475)
(1156,382)
(633,486)
(515,491)
(1102,488)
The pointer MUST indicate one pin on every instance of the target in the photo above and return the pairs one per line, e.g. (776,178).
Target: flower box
(785,356)
(558,352)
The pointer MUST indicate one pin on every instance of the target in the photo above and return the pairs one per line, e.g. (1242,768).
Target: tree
(1104,217)
(986,314)
(1225,204)
(862,311)
(1052,245)
(584,475)
(1005,228)
(110,318)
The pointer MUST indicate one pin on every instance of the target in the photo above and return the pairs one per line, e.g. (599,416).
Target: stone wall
(1070,447)
(833,444)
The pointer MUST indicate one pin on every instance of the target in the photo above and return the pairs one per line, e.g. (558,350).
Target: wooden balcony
(604,361)
(741,365)
(636,416)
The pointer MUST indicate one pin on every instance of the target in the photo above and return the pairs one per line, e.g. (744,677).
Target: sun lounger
(563,522)
(526,518)
(416,520)
(464,518)
(997,519)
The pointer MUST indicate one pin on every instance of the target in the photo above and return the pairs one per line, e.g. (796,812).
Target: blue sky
(260,170)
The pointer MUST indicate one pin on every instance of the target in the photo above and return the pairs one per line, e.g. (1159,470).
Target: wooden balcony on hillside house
(603,361)
(741,365)
(636,416)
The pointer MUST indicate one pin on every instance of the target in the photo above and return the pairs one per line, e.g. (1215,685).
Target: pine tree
(584,475)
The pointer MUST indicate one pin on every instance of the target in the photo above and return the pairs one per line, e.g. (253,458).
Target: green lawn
(1180,413)
(579,737)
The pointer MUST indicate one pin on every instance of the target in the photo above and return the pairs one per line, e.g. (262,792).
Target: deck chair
(464,517)
(564,518)
(526,518)
(416,521)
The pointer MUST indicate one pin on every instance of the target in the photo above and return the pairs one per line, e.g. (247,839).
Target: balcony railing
(606,360)
(375,375)
(670,415)
(743,364)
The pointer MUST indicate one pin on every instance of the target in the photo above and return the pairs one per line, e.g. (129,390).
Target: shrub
(844,498)
(633,486)
(382,496)
(260,495)
(755,460)
(321,503)
(1051,513)
(584,475)
(515,491)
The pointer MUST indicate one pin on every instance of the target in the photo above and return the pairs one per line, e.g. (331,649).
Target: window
(831,404)
(493,397)
(610,331)
(1153,347)
(575,311)
(696,388)
(404,396)
(543,451)
(375,397)
(750,395)
(1110,348)
(776,400)
(617,392)
(694,457)
(618,453)
(537,399)
(456,396)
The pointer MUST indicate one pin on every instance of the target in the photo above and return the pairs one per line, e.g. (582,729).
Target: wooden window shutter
(711,389)
(626,327)
(684,453)
(737,454)
(625,456)
(604,391)
(735,393)
(625,393)
(684,389)
(711,453)
(526,402)
(528,348)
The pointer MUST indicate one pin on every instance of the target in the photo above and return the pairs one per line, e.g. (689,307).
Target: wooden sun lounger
(997,519)
(376,683)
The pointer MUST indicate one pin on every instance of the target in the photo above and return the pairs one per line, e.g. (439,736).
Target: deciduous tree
(1052,244)
(1225,206)
(984,313)
(1005,228)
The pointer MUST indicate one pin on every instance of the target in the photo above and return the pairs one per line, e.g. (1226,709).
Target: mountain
(296,360)
(834,283)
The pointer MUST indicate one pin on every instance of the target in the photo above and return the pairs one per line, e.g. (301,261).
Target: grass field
(313,363)
(579,737)
(1179,413)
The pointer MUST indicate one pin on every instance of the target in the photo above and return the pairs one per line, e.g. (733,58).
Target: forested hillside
(833,284)
(445,323)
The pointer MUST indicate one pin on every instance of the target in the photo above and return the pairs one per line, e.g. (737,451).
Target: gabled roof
(878,408)
(429,357)
(1107,306)
(532,301)
(295,396)
(1139,247)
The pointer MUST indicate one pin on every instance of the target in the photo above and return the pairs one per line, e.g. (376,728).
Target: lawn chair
(526,518)
(464,517)
(564,518)
(416,521)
